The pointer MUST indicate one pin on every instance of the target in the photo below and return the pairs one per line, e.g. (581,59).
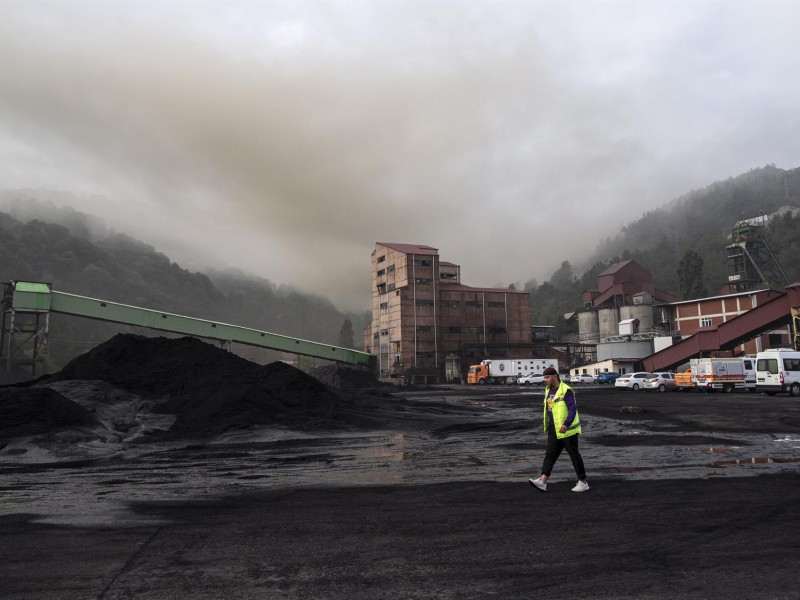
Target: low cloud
(287,138)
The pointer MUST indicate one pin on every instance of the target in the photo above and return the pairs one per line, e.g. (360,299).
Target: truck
(684,381)
(499,371)
(724,374)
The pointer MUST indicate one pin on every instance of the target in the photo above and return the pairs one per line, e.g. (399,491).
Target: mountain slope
(82,258)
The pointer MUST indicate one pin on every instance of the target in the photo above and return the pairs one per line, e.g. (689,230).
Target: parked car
(608,377)
(660,381)
(531,379)
(632,381)
(582,378)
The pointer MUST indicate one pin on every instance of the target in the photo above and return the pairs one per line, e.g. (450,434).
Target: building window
(381,288)
(451,329)
(448,276)
(705,322)
(391,286)
(390,269)
(421,262)
(424,302)
(496,304)
(384,306)
(451,303)
(381,273)
(474,303)
(381,258)
(424,329)
(384,332)
(473,329)
(422,281)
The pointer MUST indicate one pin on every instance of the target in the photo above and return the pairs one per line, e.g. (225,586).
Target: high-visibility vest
(560,411)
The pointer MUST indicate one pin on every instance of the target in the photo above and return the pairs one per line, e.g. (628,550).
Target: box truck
(720,374)
(507,370)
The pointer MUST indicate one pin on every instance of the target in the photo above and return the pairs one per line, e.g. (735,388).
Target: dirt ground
(125,479)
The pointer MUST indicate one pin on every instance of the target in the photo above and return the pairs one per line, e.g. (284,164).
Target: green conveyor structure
(39,298)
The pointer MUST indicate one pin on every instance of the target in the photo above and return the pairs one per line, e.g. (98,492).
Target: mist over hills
(77,254)
(44,240)
(700,221)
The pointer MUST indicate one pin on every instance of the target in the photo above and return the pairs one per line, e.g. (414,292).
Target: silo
(587,326)
(642,312)
(608,321)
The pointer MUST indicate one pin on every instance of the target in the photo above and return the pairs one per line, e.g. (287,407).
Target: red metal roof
(411,248)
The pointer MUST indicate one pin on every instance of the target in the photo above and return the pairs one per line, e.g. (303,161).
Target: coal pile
(212,391)
(351,379)
(34,411)
(208,391)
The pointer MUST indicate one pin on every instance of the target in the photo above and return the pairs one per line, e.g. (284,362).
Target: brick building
(690,316)
(428,327)
(625,293)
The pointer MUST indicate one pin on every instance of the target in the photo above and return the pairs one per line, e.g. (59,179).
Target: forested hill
(80,256)
(700,223)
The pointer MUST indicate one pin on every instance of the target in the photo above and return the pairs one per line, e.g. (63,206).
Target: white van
(778,370)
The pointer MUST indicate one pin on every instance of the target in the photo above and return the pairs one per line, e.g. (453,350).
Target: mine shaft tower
(751,262)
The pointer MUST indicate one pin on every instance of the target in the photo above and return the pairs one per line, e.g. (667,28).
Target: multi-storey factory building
(428,327)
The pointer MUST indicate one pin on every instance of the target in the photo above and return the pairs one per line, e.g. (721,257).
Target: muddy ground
(167,469)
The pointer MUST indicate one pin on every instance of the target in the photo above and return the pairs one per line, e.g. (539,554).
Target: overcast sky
(286,138)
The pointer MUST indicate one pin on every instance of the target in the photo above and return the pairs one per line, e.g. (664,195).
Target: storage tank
(587,326)
(608,321)
(642,312)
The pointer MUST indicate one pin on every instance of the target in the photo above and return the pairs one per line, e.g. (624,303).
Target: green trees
(690,276)
(118,268)
(346,337)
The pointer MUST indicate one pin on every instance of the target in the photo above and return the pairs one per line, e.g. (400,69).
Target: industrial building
(428,327)
(625,294)
(629,319)
(689,317)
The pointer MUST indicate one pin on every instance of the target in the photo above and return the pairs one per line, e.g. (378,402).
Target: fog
(286,138)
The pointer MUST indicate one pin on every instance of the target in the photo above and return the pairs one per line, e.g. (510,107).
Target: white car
(531,379)
(582,378)
(660,381)
(632,381)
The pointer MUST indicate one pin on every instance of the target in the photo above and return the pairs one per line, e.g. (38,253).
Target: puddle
(507,446)
(755,460)
(746,460)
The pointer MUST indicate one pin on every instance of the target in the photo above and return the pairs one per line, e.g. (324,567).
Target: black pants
(554,448)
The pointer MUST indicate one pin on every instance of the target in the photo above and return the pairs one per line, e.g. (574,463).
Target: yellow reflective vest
(560,411)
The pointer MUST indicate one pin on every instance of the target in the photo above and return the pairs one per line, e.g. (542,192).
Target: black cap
(550,371)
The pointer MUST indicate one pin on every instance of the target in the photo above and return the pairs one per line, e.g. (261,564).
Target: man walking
(563,428)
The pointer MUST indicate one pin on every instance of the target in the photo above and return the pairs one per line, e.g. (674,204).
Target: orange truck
(507,370)
(683,381)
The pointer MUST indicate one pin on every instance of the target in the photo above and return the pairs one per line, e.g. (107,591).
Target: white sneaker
(582,486)
(538,483)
